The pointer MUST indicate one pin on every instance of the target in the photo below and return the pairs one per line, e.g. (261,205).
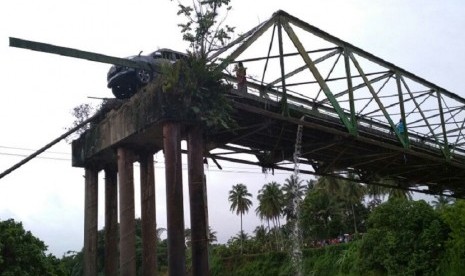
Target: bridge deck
(266,135)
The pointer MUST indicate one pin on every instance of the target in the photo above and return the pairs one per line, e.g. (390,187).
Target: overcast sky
(39,90)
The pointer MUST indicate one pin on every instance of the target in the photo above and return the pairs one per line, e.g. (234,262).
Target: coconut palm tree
(292,189)
(240,201)
(270,202)
(441,201)
(400,193)
(346,190)
(353,193)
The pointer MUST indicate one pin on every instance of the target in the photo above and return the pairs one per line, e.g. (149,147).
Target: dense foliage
(397,236)
(194,91)
(404,238)
(23,254)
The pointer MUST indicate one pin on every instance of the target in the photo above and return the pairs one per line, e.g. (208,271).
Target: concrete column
(148,215)
(90,221)
(111,221)
(127,239)
(198,203)
(174,198)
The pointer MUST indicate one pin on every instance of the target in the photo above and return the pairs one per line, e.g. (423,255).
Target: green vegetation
(396,237)
(23,254)
(194,88)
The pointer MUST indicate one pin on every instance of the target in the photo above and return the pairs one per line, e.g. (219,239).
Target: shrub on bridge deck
(195,91)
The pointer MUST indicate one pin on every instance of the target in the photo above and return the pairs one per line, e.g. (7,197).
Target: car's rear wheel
(144,76)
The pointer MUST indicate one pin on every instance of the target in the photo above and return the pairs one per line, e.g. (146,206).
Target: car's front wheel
(144,76)
(124,90)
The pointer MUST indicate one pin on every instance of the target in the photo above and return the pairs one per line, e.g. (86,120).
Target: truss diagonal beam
(359,86)
(317,75)
(303,67)
(378,101)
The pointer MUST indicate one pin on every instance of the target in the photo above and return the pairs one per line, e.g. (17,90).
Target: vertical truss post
(350,88)
(284,106)
(402,109)
(317,75)
(446,149)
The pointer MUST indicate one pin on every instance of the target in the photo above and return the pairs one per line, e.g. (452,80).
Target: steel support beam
(174,198)
(111,221)
(127,239)
(198,203)
(148,215)
(90,221)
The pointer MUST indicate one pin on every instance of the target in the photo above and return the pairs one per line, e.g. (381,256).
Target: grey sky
(38,90)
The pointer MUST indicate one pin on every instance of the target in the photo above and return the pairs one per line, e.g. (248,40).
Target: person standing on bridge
(400,127)
(240,76)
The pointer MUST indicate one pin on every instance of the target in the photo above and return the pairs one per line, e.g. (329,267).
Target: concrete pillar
(174,198)
(90,221)
(127,239)
(198,203)
(111,221)
(148,215)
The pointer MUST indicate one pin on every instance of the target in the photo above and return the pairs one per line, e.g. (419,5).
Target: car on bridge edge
(125,81)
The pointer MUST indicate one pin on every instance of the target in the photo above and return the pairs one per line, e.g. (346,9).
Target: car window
(173,56)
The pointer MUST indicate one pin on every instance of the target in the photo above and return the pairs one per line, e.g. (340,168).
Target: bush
(403,238)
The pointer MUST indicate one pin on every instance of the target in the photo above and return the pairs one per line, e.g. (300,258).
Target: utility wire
(49,145)
(160,165)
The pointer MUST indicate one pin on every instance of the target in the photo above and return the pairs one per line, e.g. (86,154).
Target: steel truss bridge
(347,100)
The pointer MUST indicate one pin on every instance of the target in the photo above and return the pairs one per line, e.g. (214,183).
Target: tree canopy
(21,253)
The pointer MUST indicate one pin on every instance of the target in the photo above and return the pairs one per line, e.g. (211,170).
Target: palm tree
(353,192)
(212,235)
(400,193)
(240,202)
(292,189)
(377,192)
(440,202)
(350,192)
(391,189)
(270,204)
